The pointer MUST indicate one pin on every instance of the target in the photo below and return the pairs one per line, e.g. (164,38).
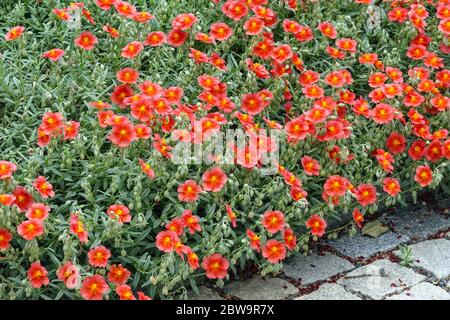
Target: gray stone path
(362,267)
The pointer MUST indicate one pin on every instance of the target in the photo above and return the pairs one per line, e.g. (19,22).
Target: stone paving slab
(433,256)
(204,294)
(422,291)
(329,291)
(257,288)
(315,267)
(379,279)
(365,246)
(418,225)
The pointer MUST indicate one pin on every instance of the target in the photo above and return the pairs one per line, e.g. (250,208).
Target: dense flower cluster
(361,127)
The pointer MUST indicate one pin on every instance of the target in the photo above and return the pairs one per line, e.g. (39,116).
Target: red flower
(336,186)
(396,143)
(147,169)
(7,199)
(297,129)
(86,40)
(274,251)
(255,242)
(311,166)
(14,33)
(358,217)
(77,228)
(51,122)
(327,29)
(252,104)
(191,222)
(253,26)
(98,256)
(188,191)
(94,287)
(70,130)
(7,169)
(124,292)
(313,92)
(119,212)
(38,211)
(132,49)
(24,200)
(366,194)
(434,151)
(416,52)
(5,239)
(70,274)
(44,188)
(127,75)
(112,31)
(391,186)
(166,241)
(445,151)
(232,215)
(214,179)
(383,113)
(155,39)
(142,296)
(215,266)
(125,9)
(417,150)
(346,44)
(118,274)
(235,9)
(122,135)
(290,240)
(184,21)
(176,38)
(220,31)
(53,54)
(423,176)
(317,225)
(37,275)
(30,229)
(273,221)
(281,54)
(192,259)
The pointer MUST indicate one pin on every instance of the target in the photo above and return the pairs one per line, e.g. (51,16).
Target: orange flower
(311,166)
(184,21)
(273,221)
(30,229)
(191,222)
(215,266)
(44,188)
(14,33)
(98,256)
(346,44)
(423,176)
(125,9)
(70,274)
(147,169)
(52,122)
(132,49)
(7,199)
(118,274)
(86,41)
(122,135)
(274,251)
(214,179)
(188,191)
(253,26)
(7,169)
(220,31)
(232,215)
(254,240)
(391,186)
(127,75)
(142,17)
(105,4)
(119,212)
(383,113)
(327,29)
(166,241)
(317,225)
(53,54)
(38,211)
(290,240)
(124,292)
(77,228)
(177,38)
(336,186)
(112,31)
(366,194)
(5,239)
(358,217)
(23,200)
(94,287)
(37,275)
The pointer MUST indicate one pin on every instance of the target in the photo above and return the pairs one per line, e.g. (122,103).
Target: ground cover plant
(95,95)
